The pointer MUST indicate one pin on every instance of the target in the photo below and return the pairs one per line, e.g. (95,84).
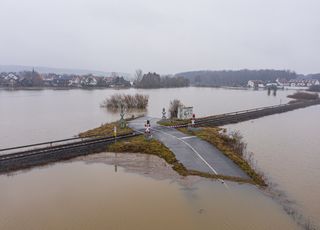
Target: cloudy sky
(166,36)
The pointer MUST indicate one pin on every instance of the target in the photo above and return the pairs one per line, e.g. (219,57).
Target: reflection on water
(37,116)
(91,194)
(286,147)
(88,194)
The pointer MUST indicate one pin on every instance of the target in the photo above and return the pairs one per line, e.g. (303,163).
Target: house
(61,81)
(185,112)
(107,81)
(301,83)
(256,84)
(89,81)
(282,82)
(48,80)
(272,85)
(9,80)
(120,82)
(11,76)
(313,82)
(75,81)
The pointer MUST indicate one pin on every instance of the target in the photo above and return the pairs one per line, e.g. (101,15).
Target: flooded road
(142,192)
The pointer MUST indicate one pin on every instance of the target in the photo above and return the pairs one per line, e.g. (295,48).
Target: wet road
(191,151)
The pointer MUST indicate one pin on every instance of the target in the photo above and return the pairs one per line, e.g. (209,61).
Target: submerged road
(191,151)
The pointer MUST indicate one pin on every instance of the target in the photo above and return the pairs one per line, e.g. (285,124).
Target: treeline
(234,78)
(314,76)
(154,80)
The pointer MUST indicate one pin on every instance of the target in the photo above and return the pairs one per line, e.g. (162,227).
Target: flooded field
(32,116)
(130,191)
(286,148)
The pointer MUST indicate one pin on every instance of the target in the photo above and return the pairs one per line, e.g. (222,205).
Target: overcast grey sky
(165,36)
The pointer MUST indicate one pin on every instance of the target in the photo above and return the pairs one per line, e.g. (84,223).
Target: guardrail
(250,113)
(244,111)
(41,156)
(50,144)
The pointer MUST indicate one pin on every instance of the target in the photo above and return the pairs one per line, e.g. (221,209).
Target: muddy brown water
(33,116)
(285,147)
(142,192)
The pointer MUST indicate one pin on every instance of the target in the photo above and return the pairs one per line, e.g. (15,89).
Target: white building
(303,83)
(75,81)
(256,84)
(185,112)
(89,81)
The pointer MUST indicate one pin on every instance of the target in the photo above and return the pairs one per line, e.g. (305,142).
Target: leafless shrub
(137,101)
(173,108)
(237,143)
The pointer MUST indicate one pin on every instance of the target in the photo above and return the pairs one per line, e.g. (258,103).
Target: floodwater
(88,193)
(142,192)
(286,148)
(33,116)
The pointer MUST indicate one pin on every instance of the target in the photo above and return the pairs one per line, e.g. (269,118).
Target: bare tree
(173,108)
(138,75)
(238,143)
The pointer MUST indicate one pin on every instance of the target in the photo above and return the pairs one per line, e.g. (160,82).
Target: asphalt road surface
(191,151)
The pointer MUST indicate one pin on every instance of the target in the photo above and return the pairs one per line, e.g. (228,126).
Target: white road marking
(181,139)
(198,154)
(188,137)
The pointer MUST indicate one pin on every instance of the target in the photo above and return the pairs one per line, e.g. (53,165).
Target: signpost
(164,114)
(147,130)
(193,120)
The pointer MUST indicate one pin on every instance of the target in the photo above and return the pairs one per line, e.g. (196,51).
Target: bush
(173,108)
(237,143)
(137,101)
(304,96)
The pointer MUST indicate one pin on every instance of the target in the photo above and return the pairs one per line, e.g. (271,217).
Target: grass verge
(153,147)
(223,143)
(106,130)
(173,122)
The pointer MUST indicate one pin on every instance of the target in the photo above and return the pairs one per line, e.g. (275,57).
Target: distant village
(26,79)
(284,84)
(35,79)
